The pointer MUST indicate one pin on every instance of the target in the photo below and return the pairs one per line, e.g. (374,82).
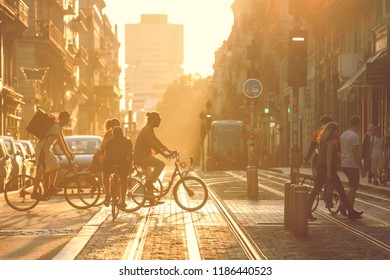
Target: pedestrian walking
(313,148)
(327,166)
(366,151)
(351,161)
(376,155)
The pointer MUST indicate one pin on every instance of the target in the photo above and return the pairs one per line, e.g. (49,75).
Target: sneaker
(54,190)
(36,196)
(353,215)
(343,210)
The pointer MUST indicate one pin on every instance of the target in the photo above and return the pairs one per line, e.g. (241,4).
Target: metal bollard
(252,182)
(287,206)
(299,224)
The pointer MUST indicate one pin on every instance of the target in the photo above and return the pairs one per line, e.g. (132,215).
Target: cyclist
(46,162)
(117,152)
(109,125)
(146,145)
(325,119)
(328,161)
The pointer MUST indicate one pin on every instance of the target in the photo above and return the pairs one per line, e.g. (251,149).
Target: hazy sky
(207,23)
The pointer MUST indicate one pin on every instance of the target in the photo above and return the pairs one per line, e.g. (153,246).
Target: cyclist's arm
(154,142)
(63,145)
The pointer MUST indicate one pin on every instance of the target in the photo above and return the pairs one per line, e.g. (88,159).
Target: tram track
(135,246)
(351,229)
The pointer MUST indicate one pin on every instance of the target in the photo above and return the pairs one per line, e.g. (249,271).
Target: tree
(180,108)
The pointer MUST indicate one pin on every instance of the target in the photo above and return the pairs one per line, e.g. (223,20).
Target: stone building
(347,67)
(13,22)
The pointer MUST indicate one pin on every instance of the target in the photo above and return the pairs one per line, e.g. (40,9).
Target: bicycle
(81,190)
(132,203)
(190,193)
(334,206)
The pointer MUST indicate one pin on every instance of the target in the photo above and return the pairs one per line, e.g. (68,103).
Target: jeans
(147,163)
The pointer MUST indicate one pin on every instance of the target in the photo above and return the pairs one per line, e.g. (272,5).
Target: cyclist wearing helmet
(146,145)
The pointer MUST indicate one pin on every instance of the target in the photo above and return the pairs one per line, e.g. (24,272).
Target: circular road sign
(252,88)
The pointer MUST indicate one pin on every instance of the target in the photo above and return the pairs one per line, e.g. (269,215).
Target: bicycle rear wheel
(82,191)
(190,193)
(18,190)
(308,181)
(334,200)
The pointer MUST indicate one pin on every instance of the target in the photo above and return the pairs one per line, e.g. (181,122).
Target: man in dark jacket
(146,145)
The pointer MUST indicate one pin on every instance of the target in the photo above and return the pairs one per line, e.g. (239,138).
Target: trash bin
(299,220)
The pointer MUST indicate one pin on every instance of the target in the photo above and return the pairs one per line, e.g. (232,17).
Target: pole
(294,152)
(252,187)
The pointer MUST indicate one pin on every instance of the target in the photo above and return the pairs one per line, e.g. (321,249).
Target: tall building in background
(154,55)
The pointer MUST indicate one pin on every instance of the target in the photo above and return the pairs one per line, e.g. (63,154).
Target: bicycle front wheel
(82,191)
(308,181)
(18,190)
(190,193)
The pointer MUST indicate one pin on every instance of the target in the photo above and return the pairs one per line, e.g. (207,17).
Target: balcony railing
(46,30)
(81,57)
(17,8)
(69,62)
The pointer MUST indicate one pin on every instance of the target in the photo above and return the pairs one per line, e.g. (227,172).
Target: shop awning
(350,83)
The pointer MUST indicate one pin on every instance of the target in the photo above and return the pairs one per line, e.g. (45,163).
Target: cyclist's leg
(106,184)
(157,165)
(123,189)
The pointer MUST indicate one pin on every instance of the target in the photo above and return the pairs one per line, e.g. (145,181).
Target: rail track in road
(280,179)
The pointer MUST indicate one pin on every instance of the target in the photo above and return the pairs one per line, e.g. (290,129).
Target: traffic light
(297,58)
(266,110)
(208,121)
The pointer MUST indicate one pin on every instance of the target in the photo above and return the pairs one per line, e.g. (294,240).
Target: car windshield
(9,146)
(80,146)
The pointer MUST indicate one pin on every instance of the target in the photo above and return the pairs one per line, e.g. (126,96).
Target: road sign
(252,88)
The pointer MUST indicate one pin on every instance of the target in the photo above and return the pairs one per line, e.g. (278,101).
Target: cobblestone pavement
(262,218)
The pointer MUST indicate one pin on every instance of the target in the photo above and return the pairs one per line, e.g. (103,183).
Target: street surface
(54,230)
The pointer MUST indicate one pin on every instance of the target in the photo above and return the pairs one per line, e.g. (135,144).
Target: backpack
(40,124)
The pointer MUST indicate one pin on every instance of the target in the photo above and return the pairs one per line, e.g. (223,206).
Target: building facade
(154,55)
(67,59)
(13,22)
(347,68)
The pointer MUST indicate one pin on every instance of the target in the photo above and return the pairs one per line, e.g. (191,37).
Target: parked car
(28,165)
(16,158)
(29,147)
(5,165)
(83,147)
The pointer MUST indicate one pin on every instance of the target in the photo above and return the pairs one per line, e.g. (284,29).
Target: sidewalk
(363,180)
